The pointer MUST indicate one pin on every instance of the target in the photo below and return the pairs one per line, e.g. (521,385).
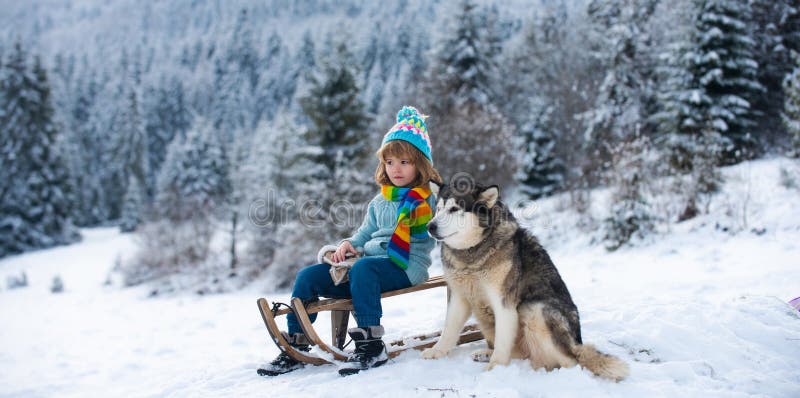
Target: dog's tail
(601,364)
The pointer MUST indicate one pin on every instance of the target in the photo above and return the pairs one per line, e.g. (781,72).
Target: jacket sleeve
(367,228)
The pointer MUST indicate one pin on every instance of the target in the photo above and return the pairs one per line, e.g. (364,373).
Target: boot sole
(350,372)
(271,373)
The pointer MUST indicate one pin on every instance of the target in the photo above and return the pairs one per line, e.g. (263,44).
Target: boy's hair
(404,149)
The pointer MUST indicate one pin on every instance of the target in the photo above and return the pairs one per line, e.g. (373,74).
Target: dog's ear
(489,196)
(435,187)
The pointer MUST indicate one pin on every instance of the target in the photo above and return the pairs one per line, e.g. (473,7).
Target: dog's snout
(432,227)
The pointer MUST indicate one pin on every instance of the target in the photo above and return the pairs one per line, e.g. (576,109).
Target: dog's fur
(500,273)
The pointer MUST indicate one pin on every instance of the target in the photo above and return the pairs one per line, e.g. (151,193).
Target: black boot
(284,363)
(370,351)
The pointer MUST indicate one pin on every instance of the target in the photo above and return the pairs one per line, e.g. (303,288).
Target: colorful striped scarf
(412,220)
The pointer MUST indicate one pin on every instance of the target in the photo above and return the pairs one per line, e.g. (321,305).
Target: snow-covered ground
(697,312)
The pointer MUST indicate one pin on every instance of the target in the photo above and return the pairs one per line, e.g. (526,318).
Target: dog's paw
(433,353)
(493,362)
(482,355)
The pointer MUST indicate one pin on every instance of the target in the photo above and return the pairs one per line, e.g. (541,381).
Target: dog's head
(463,214)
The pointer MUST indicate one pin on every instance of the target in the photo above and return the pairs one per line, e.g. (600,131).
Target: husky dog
(500,273)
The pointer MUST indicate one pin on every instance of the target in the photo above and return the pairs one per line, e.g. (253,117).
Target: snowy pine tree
(338,124)
(279,165)
(550,78)
(192,188)
(194,181)
(133,206)
(242,51)
(35,206)
(724,77)
(276,86)
(458,93)
(334,107)
(229,109)
(375,89)
(466,59)
(117,124)
(791,107)
(678,99)
(131,153)
(305,61)
(622,45)
(167,116)
(99,139)
(542,171)
(689,145)
(86,148)
(631,216)
(776,32)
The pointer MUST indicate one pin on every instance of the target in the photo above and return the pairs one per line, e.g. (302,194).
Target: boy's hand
(341,253)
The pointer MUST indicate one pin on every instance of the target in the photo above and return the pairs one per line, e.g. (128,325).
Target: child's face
(400,170)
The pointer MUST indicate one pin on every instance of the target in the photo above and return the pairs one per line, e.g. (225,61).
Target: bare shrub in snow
(298,247)
(16,282)
(631,215)
(58,285)
(790,176)
(164,248)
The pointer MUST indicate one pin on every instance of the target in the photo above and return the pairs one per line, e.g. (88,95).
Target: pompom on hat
(411,127)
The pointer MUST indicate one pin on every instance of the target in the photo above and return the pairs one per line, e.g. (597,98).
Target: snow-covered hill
(700,311)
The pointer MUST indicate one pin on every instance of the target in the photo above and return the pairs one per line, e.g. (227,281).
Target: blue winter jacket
(376,230)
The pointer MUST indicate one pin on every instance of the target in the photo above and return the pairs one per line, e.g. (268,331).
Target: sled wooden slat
(469,334)
(347,304)
(277,338)
(311,334)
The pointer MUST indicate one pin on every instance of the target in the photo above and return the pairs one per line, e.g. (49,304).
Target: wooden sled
(340,315)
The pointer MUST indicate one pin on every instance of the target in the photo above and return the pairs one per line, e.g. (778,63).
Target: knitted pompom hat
(411,127)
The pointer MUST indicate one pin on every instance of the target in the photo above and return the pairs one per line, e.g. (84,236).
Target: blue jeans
(369,277)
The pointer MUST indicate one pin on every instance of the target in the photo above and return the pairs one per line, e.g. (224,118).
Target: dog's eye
(452,210)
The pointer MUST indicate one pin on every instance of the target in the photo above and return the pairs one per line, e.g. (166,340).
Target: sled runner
(340,314)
